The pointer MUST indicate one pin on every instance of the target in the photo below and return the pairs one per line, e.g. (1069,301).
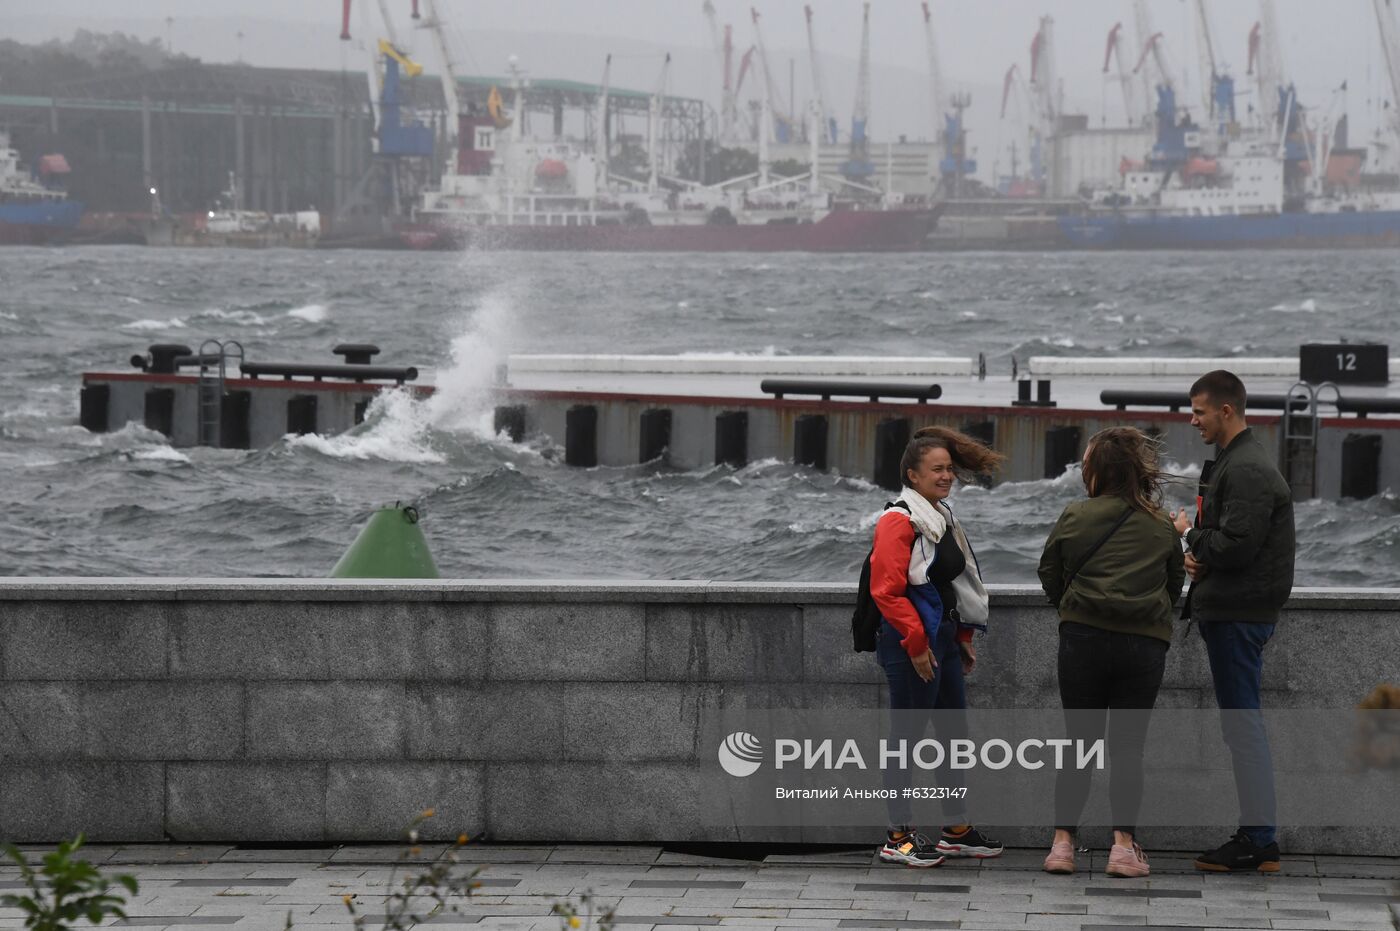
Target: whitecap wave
(311,313)
(160,454)
(396,429)
(236,317)
(154,326)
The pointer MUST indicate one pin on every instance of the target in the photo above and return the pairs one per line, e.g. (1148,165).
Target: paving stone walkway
(251,889)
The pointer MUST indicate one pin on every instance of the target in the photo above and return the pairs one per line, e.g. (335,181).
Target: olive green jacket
(1130,585)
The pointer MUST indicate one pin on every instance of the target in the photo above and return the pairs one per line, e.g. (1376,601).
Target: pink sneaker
(1060,858)
(1127,862)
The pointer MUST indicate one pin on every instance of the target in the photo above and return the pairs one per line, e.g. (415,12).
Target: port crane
(723,42)
(858,167)
(1390,50)
(402,145)
(1265,63)
(1044,92)
(947,113)
(1113,51)
(776,123)
(1015,90)
(1152,64)
(601,148)
(1217,87)
(825,120)
(654,105)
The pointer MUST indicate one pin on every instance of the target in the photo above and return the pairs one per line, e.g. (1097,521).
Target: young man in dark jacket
(1240,560)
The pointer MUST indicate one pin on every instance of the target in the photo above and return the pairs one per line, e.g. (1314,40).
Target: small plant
(443,883)
(64,890)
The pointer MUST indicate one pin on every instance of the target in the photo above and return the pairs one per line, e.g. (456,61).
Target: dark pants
(909,693)
(1102,670)
(1236,652)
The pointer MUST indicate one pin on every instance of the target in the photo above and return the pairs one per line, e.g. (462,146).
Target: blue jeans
(1236,652)
(945,692)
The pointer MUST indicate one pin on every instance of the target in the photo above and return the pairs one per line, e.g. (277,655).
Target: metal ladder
(214,356)
(1298,436)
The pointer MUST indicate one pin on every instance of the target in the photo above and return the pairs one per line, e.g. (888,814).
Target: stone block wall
(256,710)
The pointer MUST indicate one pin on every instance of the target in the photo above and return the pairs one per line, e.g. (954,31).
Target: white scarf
(932,521)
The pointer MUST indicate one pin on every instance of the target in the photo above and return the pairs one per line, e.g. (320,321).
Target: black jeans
(1102,670)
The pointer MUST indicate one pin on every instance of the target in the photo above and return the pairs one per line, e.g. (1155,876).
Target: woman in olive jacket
(1115,604)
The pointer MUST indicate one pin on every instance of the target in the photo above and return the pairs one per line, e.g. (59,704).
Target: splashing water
(462,397)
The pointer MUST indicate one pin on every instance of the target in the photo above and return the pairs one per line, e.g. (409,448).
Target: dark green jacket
(1130,585)
(1244,538)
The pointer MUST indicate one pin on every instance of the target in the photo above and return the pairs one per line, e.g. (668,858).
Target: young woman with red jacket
(925,580)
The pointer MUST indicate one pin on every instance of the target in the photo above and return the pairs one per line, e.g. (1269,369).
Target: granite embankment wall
(189,709)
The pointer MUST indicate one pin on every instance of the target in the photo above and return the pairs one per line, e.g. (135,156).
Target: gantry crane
(825,120)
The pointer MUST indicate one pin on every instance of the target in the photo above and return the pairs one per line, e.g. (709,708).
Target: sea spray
(400,427)
(463,400)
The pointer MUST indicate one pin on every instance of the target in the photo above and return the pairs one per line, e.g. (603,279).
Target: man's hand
(924,665)
(1194,568)
(1182,521)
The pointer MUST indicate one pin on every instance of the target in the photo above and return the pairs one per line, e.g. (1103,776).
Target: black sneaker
(912,849)
(970,843)
(1238,854)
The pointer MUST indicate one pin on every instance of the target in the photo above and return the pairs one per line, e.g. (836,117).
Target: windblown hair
(1124,462)
(971,458)
(1221,387)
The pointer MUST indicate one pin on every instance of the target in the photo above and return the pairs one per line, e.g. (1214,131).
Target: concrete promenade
(250,889)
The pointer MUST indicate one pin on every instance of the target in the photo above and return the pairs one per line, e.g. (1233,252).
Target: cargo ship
(34,211)
(1202,189)
(507,192)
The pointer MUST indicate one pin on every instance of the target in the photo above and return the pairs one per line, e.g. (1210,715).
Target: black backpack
(865,620)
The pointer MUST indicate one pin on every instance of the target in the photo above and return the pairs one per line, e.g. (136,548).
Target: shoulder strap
(1122,519)
(898,503)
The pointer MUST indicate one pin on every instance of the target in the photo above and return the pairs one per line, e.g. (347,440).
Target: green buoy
(391,546)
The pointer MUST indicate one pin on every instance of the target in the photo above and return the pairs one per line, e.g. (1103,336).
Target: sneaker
(1127,862)
(1239,853)
(912,849)
(1061,858)
(970,843)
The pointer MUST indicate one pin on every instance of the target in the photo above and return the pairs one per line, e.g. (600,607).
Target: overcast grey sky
(1324,42)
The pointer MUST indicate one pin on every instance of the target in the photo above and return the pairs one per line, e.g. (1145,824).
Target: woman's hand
(925,665)
(969,656)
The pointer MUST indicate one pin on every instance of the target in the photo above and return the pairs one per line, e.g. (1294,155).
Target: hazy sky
(1324,42)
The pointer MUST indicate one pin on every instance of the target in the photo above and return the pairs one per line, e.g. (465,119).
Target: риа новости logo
(741,754)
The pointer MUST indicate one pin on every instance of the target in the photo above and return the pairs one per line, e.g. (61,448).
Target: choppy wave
(127,503)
